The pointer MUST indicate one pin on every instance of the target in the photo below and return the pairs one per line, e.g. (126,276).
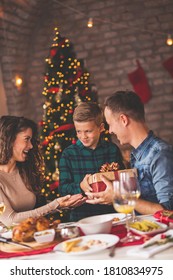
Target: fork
(112,251)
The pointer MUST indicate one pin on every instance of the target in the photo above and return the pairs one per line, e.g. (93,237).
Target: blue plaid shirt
(77,161)
(154,161)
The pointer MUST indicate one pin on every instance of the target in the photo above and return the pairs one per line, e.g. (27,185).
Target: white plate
(107,239)
(162,227)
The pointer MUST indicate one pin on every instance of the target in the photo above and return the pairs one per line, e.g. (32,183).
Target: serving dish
(44,236)
(95,224)
(161,227)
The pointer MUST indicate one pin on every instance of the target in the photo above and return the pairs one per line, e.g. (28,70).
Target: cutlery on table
(164,239)
(4,240)
(112,251)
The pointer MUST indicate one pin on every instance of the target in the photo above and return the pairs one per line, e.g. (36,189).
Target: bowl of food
(44,236)
(95,224)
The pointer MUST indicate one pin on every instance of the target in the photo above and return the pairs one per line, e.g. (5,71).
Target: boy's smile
(88,133)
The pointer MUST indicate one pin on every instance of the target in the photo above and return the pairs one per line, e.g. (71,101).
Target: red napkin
(120,231)
(164,218)
(26,253)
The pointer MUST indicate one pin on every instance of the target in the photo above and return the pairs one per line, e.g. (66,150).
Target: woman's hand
(104,197)
(71,201)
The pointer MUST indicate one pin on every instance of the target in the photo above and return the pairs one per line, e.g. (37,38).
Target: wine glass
(135,182)
(125,197)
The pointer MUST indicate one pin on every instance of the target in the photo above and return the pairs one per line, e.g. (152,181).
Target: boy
(86,157)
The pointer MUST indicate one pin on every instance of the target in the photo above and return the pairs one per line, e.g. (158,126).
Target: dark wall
(123,32)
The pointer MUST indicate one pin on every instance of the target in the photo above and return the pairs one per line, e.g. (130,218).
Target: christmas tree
(66,84)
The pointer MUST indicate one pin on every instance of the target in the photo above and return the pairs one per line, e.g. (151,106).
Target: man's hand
(84,184)
(105,197)
(71,201)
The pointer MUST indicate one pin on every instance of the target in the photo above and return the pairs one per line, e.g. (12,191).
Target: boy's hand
(84,184)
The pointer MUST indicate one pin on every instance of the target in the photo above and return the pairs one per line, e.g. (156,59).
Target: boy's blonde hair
(88,111)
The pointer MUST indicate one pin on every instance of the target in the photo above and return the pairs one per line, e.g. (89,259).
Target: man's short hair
(128,103)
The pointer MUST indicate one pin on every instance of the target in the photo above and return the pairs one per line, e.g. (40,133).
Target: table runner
(26,253)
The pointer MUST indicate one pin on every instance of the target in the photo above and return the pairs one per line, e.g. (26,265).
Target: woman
(21,175)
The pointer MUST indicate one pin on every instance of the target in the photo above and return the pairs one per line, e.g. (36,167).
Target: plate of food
(88,244)
(117,218)
(147,227)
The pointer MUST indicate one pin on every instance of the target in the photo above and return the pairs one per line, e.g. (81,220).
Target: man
(153,158)
(86,157)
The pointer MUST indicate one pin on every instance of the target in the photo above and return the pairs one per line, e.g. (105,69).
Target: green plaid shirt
(77,161)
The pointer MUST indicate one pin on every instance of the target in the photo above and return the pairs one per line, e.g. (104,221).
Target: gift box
(98,185)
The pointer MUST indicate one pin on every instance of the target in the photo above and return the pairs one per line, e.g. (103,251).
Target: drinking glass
(125,197)
(134,181)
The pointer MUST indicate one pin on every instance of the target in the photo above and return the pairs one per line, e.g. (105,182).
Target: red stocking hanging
(168,64)
(140,84)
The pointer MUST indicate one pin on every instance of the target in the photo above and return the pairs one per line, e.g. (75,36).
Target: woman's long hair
(31,170)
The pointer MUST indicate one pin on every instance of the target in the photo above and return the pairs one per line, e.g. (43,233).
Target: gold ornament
(55,175)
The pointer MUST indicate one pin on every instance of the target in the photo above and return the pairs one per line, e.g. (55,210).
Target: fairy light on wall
(18,81)
(90,23)
(169,41)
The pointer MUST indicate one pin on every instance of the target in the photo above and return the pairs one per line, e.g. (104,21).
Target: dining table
(121,251)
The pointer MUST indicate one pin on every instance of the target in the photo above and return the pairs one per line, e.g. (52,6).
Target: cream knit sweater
(19,201)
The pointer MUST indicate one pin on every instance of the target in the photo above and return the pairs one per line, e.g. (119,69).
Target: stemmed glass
(125,197)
